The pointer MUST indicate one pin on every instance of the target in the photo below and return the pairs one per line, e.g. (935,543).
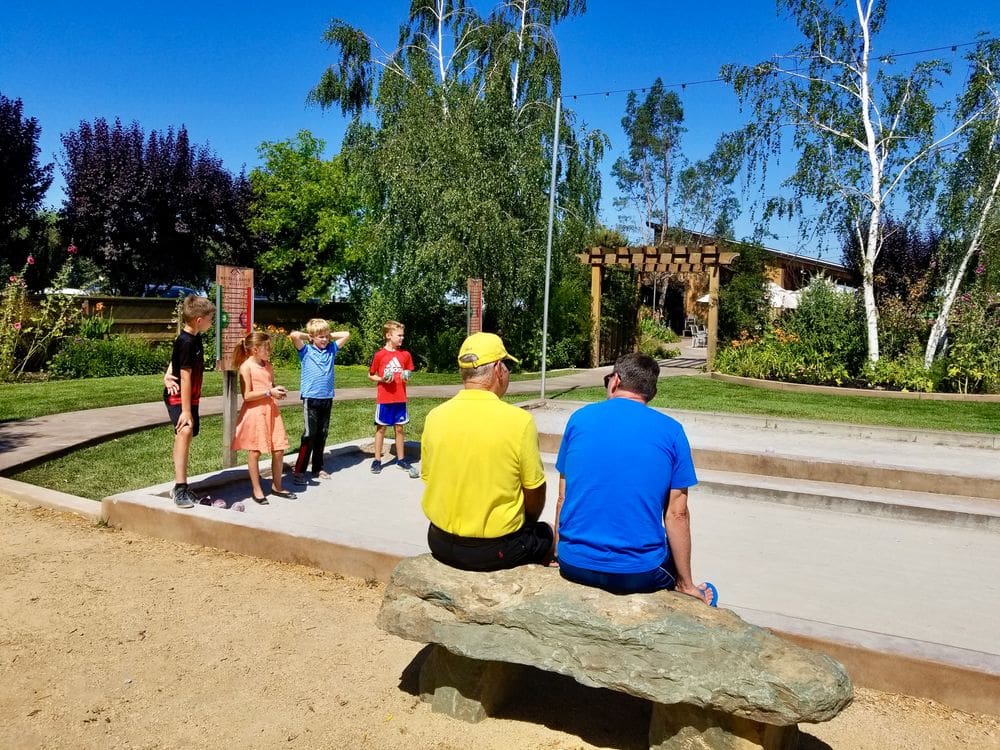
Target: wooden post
(595,316)
(230,389)
(713,314)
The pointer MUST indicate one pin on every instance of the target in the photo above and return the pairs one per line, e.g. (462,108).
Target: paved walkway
(28,441)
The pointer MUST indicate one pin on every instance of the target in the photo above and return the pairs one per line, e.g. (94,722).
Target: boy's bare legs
(400,443)
(182,444)
(379,440)
(253,466)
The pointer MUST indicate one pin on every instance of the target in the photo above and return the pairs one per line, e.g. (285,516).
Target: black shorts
(532,543)
(174,410)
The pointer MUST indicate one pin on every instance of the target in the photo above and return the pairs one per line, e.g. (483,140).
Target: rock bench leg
(464,688)
(683,727)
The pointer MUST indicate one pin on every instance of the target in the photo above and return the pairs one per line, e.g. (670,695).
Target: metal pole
(548,244)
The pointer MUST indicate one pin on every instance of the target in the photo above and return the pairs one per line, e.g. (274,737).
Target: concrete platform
(900,585)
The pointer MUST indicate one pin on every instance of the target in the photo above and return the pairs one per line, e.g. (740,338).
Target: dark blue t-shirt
(620,459)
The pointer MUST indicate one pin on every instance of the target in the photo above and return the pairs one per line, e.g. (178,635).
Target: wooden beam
(595,316)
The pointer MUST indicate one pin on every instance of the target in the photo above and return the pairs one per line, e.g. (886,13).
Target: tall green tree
(970,205)
(646,174)
(866,135)
(306,211)
(453,161)
(151,210)
(23,182)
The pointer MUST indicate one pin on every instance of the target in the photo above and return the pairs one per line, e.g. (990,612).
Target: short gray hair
(476,373)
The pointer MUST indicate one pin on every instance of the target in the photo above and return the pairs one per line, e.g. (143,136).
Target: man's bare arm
(534,502)
(677,520)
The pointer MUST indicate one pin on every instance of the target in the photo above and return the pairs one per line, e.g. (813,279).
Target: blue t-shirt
(620,459)
(317,370)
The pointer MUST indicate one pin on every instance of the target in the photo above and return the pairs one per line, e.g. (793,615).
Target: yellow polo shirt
(476,454)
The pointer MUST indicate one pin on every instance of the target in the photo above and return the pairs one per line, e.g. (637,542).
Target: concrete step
(961,511)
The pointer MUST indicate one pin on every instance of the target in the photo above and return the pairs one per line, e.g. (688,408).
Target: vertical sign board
(233,321)
(474,314)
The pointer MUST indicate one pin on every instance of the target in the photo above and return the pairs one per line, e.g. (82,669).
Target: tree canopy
(23,182)
(151,210)
(453,164)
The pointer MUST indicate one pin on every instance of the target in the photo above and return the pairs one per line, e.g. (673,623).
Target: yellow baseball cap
(482,349)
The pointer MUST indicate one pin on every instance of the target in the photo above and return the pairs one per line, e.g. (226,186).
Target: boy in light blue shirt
(317,349)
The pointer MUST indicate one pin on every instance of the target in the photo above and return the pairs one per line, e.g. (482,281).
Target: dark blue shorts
(391,414)
(663,577)
(174,411)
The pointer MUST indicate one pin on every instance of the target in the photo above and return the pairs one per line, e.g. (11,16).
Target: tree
(969,208)
(305,207)
(156,210)
(23,182)
(865,135)
(645,176)
(744,305)
(453,167)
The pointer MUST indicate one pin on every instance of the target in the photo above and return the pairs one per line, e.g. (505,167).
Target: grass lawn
(704,394)
(143,458)
(27,400)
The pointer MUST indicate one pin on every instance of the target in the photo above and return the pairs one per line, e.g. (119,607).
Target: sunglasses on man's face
(607,378)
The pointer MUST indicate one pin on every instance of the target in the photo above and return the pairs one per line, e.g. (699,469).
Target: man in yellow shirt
(480,461)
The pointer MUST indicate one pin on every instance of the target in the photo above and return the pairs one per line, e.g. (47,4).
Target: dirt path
(113,640)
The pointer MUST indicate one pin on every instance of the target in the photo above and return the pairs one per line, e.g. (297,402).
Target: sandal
(261,500)
(285,494)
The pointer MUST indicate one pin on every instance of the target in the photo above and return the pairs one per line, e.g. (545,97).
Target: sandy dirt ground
(112,640)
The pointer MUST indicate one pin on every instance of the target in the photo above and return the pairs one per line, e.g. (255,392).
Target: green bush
(905,373)
(657,330)
(973,364)
(782,356)
(829,326)
(102,358)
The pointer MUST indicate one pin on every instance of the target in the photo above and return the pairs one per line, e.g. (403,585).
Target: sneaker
(409,468)
(376,466)
(299,479)
(323,474)
(182,497)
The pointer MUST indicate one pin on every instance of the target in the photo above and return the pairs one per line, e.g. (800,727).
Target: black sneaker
(376,467)
(182,497)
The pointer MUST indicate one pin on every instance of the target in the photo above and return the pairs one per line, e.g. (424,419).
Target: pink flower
(17,326)
(980,269)
(31,260)
(13,279)
(71,249)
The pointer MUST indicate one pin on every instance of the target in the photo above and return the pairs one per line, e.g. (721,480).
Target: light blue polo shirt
(317,370)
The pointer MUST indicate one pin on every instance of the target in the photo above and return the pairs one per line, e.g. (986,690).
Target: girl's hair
(246,346)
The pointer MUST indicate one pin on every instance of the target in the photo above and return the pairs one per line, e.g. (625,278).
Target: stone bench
(714,681)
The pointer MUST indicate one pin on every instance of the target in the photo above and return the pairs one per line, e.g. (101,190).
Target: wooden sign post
(233,321)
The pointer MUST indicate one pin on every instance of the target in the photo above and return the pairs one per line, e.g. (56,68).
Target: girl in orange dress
(259,428)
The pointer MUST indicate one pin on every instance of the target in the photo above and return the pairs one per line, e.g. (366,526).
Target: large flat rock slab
(665,647)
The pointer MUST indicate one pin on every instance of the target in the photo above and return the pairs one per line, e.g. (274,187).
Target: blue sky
(236,73)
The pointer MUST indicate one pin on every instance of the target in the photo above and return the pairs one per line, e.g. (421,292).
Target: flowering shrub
(904,373)
(98,325)
(28,334)
(973,363)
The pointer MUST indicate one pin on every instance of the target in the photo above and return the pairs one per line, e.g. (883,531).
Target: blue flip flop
(715,593)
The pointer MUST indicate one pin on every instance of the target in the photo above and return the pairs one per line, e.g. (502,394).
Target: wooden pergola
(666,259)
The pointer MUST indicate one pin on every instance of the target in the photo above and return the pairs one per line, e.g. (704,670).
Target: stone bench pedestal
(472,689)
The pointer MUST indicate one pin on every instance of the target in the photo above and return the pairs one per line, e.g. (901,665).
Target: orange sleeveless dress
(259,426)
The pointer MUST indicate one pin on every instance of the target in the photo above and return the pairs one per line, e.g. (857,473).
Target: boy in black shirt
(182,390)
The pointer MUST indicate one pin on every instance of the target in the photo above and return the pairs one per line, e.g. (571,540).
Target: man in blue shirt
(622,516)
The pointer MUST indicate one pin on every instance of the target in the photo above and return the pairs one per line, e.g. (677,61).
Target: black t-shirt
(189,353)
